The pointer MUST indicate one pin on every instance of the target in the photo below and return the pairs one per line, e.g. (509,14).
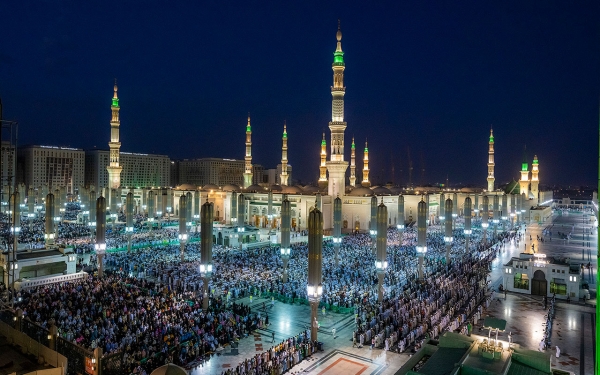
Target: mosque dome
(380,190)
(169,369)
(210,187)
(361,191)
(396,190)
(231,187)
(186,187)
(276,188)
(255,189)
(291,190)
(309,189)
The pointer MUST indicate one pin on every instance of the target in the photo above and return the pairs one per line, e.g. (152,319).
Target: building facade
(138,170)
(216,171)
(51,165)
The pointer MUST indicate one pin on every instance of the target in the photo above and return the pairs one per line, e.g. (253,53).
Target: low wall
(27,284)
(31,346)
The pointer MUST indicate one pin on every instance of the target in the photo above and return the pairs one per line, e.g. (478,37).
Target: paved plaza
(573,327)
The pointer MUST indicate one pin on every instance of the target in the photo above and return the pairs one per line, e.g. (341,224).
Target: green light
(353,147)
(323,143)
(248,128)
(115,102)
(366,149)
(524,167)
(535,161)
(491,138)
(284,135)
(338,57)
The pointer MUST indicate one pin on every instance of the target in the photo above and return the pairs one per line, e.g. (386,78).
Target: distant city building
(273,176)
(216,171)
(51,165)
(174,174)
(138,170)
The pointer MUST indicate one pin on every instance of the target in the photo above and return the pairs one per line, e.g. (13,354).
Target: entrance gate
(539,285)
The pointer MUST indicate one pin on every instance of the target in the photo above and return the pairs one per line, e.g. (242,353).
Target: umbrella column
(448,238)
(49,220)
(183,235)
(381,262)
(467,231)
(315,262)
(400,222)
(337,228)
(100,233)
(421,235)
(206,244)
(286,223)
(485,216)
(129,218)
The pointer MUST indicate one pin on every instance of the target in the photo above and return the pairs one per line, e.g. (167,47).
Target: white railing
(31,283)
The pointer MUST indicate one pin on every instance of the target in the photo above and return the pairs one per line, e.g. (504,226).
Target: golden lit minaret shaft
(491,164)
(524,181)
(248,157)
(323,167)
(535,182)
(114,168)
(336,165)
(353,164)
(284,159)
(365,181)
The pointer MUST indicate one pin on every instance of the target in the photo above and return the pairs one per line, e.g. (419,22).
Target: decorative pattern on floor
(344,363)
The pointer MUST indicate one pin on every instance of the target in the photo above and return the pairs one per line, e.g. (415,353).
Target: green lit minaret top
(353,145)
(115,99)
(323,142)
(524,167)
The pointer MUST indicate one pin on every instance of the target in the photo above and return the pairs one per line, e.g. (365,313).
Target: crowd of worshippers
(278,359)
(144,321)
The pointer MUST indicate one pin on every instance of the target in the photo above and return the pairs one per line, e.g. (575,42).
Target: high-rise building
(114,168)
(136,169)
(51,165)
(491,164)
(336,166)
(217,171)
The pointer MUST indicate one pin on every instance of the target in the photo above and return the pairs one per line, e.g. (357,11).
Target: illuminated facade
(52,166)
(491,164)
(336,166)
(114,168)
(138,170)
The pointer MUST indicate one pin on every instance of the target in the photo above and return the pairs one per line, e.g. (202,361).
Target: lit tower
(421,235)
(336,165)
(381,255)
(114,169)
(491,164)
(534,177)
(524,181)
(365,182)
(323,168)
(284,159)
(353,164)
(248,157)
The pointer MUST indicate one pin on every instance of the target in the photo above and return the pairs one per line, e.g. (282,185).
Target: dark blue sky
(431,76)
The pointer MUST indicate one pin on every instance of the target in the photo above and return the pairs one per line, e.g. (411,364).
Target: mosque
(259,205)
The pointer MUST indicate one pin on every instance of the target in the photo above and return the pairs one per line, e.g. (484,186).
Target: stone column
(151,204)
(100,233)
(315,262)
(92,215)
(442,213)
(485,217)
(241,218)
(400,221)
(373,223)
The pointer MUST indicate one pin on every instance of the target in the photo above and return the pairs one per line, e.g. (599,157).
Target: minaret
(353,164)
(284,159)
(323,168)
(524,181)
(336,165)
(535,182)
(491,164)
(248,157)
(114,169)
(365,182)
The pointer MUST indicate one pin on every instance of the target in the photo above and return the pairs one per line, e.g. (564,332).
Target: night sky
(428,77)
